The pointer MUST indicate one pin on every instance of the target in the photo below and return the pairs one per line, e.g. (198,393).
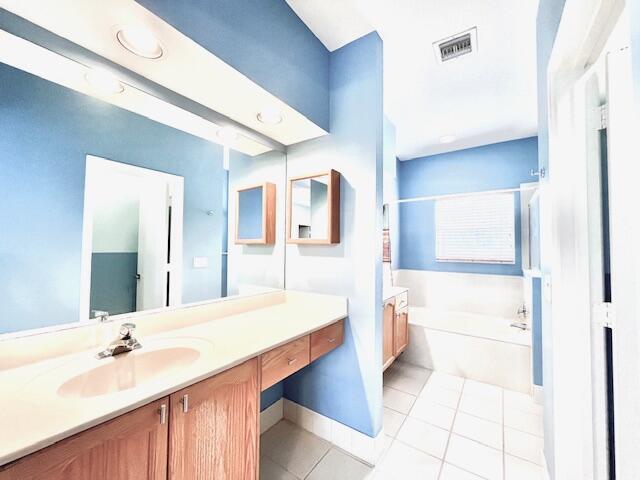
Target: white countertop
(389,291)
(34,416)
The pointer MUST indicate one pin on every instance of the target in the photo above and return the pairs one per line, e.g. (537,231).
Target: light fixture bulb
(270,115)
(140,40)
(448,139)
(103,82)
(228,135)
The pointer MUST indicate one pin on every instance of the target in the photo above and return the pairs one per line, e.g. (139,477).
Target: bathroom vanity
(184,406)
(395,324)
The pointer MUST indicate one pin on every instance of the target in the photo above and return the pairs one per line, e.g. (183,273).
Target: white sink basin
(87,377)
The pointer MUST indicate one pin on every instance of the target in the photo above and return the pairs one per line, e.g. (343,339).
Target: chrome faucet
(125,342)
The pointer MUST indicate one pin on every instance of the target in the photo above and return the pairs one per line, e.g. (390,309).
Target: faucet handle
(127,329)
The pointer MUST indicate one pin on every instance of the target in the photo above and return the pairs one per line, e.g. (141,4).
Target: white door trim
(176,186)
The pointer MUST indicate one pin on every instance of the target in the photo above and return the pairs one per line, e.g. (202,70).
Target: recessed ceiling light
(103,82)
(227,135)
(448,139)
(140,40)
(270,115)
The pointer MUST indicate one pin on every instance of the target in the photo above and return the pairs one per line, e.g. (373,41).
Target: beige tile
(270,470)
(524,445)
(440,395)
(449,472)
(484,431)
(293,448)
(485,390)
(405,462)
(392,421)
(432,413)
(406,378)
(424,436)
(517,469)
(520,401)
(489,409)
(341,435)
(397,400)
(337,465)
(444,380)
(474,457)
(525,422)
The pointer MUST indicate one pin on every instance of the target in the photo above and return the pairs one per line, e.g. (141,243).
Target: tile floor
(439,427)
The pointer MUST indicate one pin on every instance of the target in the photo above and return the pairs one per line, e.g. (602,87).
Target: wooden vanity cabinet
(387,333)
(132,446)
(214,427)
(395,335)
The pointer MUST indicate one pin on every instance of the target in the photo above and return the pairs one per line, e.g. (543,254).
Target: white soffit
(39,61)
(334,22)
(186,67)
(486,97)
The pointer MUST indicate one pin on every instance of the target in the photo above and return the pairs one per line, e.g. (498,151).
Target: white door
(153,245)
(625,261)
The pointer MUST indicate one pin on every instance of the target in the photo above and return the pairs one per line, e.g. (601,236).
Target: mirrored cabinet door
(313,209)
(256,215)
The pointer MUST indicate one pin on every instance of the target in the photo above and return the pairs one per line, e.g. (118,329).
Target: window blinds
(476,229)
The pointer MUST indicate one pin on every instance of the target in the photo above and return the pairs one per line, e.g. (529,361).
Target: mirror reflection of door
(131,212)
(309,213)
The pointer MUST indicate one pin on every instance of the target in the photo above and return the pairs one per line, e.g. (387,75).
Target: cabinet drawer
(281,362)
(325,340)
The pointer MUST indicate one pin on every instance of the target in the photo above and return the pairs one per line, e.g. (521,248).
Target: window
(476,229)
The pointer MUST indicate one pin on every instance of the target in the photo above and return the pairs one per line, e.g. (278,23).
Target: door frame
(575,411)
(175,185)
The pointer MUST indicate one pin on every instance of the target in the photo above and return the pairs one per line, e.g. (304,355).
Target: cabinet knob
(185,403)
(162,411)
(291,361)
(331,340)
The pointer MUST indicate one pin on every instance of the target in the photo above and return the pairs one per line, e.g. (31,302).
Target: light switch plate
(200,262)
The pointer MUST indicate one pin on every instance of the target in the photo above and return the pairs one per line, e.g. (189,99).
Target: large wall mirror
(107,210)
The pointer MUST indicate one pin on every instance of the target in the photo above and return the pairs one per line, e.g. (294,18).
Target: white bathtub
(472,345)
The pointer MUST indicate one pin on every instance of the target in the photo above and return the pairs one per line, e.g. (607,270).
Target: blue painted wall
(263,39)
(346,385)
(271,395)
(250,214)
(113,282)
(536,330)
(490,167)
(47,131)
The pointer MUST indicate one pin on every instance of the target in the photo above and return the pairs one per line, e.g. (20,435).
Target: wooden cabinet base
(133,446)
(215,427)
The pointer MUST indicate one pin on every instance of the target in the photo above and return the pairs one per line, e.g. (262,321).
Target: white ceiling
(483,98)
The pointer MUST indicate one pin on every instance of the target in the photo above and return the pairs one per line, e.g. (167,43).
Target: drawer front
(281,362)
(325,340)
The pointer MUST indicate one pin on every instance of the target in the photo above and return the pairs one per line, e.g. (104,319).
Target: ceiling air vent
(456,45)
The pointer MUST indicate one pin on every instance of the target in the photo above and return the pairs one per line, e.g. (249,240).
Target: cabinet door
(387,333)
(214,429)
(401,332)
(132,446)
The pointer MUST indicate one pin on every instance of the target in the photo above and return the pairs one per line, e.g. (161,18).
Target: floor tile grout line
(317,463)
(453,421)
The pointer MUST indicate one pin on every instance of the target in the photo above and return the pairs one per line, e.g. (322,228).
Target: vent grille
(456,46)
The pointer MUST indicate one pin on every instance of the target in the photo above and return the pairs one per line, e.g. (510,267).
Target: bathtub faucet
(520,325)
(522,311)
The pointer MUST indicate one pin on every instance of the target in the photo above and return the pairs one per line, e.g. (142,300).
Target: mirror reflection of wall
(309,211)
(49,134)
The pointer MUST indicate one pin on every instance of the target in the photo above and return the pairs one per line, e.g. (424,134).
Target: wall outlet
(200,262)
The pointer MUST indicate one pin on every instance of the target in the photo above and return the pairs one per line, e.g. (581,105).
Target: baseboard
(361,446)
(271,415)
(545,467)
(538,394)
